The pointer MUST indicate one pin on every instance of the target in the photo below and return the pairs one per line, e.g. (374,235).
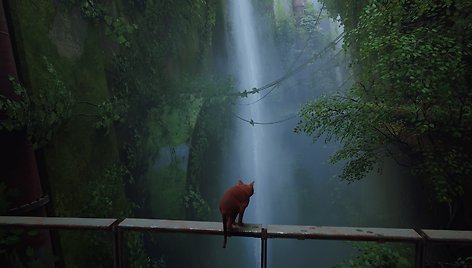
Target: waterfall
(258,152)
(249,74)
(246,144)
(294,183)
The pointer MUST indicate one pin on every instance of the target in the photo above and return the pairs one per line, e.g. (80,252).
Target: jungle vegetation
(410,100)
(104,86)
(141,79)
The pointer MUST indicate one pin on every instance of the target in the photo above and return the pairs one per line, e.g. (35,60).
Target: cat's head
(248,187)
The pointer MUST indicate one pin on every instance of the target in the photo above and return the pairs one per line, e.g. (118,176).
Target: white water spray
(248,140)
(293,182)
(258,152)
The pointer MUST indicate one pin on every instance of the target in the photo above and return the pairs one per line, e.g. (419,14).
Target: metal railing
(117,227)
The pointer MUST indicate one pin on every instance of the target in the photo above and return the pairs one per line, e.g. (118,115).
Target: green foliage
(176,31)
(292,34)
(310,19)
(114,109)
(171,40)
(337,118)
(464,262)
(15,256)
(412,99)
(41,113)
(118,28)
(285,31)
(212,121)
(161,263)
(134,147)
(345,10)
(17,112)
(105,196)
(167,187)
(143,75)
(195,202)
(137,256)
(374,255)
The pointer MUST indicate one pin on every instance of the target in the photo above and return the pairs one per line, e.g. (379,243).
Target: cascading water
(248,141)
(294,184)
(260,152)
(253,146)
(251,143)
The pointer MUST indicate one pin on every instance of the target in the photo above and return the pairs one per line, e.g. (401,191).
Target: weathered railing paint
(350,234)
(342,233)
(199,227)
(62,223)
(178,226)
(447,236)
(117,227)
(57,222)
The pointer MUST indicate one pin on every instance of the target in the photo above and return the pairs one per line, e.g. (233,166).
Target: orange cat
(234,202)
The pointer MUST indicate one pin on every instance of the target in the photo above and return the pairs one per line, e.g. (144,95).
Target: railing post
(117,247)
(419,254)
(420,249)
(264,248)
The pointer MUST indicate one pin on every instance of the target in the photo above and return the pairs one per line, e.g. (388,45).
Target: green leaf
(108,20)
(121,39)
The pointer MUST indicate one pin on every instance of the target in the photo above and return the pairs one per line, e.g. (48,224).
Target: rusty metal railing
(117,227)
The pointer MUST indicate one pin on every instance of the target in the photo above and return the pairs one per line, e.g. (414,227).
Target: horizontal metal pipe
(56,222)
(117,227)
(247,230)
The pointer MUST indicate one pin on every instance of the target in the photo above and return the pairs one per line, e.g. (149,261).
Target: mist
(294,182)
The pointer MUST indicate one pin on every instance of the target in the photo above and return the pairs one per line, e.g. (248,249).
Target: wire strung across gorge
(296,59)
(291,72)
(275,86)
(290,88)
(252,122)
(276,83)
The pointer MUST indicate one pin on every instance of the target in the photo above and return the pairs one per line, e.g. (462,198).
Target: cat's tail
(225,230)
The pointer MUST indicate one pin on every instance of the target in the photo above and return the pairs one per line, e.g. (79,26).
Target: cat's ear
(240,182)
(252,184)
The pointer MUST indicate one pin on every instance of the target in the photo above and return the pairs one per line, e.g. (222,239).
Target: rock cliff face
(298,7)
(68,33)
